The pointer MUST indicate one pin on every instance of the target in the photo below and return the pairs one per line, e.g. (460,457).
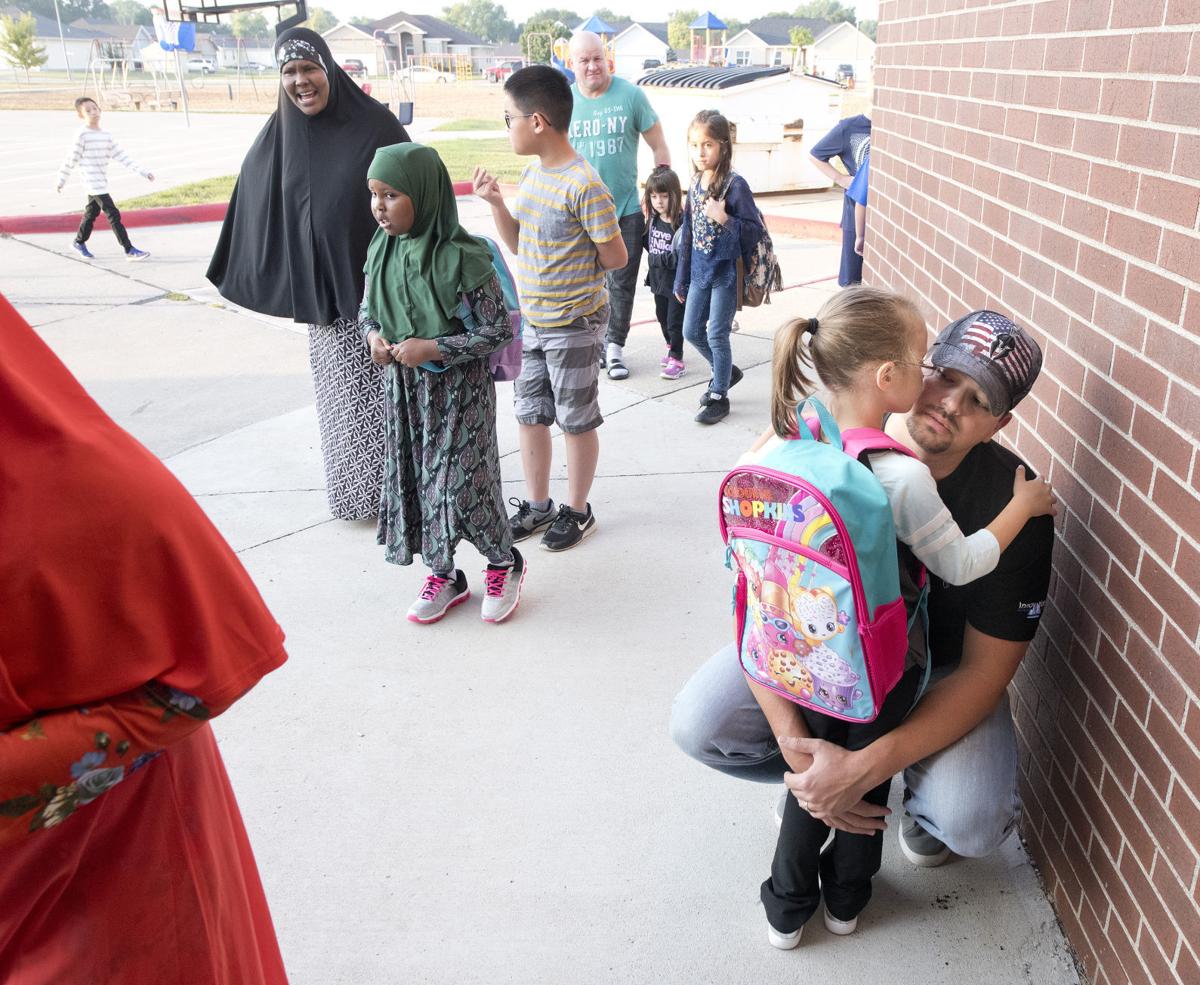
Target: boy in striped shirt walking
(92,150)
(565,235)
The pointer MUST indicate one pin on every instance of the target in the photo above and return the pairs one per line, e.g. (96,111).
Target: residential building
(405,39)
(767,42)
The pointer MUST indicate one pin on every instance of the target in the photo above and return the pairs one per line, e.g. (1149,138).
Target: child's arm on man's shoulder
(488,188)
(597,214)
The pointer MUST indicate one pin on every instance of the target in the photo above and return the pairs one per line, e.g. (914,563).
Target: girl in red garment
(127,624)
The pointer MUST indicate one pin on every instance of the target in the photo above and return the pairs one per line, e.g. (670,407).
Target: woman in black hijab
(294,243)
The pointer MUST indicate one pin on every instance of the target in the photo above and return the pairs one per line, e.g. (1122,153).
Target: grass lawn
(470,125)
(193,193)
(460,156)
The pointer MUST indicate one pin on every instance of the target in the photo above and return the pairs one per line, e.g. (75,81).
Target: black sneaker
(716,408)
(919,846)
(527,521)
(568,529)
(735,377)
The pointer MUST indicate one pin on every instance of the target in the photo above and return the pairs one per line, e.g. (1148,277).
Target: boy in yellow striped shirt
(565,235)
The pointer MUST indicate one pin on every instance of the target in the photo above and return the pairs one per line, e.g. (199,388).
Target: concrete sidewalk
(466,803)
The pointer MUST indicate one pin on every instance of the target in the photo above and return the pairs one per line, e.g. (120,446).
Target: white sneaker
(438,596)
(840,927)
(502,589)
(785,942)
(919,846)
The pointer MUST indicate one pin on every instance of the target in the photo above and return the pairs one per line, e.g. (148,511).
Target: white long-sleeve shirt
(922,520)
(92,151)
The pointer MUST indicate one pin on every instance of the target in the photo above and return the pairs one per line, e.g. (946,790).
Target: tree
(869,28)
(538,36)
(679,35)
(71,10)
(363,22)
(320,20)
(833,11)
(608,16)
(130,12)
(482,17)
(800,37)
(248,24)
(18,44)
(552,14)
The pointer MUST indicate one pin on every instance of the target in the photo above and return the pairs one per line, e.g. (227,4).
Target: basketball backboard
(213,11)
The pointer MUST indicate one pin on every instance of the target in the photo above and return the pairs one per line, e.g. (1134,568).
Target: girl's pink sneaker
(673,369)
(662,363)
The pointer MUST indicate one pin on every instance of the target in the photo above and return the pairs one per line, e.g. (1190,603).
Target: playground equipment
(109,65)
(703,51)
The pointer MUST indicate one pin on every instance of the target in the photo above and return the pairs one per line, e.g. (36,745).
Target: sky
(518,10)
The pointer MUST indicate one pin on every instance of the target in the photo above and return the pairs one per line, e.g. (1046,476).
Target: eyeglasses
(508,119)
(937,376)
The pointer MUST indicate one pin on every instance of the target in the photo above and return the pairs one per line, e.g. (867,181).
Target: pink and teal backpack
(818,610)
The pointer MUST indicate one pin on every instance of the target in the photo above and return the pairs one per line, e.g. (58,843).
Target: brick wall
(1043,159)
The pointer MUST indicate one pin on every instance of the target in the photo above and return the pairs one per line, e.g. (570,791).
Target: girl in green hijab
(432,297)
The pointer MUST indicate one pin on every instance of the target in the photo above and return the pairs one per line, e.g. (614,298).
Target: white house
(348,41)
(421,39)
(767,41)
(77,42)
(637,42)
(232,52)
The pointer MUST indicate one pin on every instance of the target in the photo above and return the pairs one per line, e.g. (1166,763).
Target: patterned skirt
(349,389)
(442,478)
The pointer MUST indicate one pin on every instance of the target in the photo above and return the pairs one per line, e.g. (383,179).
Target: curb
(172,215)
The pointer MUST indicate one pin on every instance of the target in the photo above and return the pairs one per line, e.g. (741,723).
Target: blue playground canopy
(707,21)
(597,26)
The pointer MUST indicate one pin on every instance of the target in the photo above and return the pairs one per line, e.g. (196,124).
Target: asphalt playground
(469,803)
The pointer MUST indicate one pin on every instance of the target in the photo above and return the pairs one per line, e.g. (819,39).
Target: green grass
(193,193)
(470,125)
(461,157)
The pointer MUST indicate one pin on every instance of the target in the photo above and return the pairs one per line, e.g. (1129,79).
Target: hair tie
(812,326)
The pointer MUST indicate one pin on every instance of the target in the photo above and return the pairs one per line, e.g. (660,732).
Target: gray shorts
(560,372)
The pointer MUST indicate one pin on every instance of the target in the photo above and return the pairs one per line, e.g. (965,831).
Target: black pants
(96,204)
(670,320)
(847,866)
(622,282)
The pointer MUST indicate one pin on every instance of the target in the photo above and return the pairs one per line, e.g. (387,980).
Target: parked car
(423,73)
(203,65)
(354,68)
(254,67)
(498,73)
(651,63)
(845,73)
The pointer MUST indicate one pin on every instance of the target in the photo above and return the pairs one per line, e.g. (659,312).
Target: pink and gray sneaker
(438,596)
(662,363)
(502,589)
(673,369)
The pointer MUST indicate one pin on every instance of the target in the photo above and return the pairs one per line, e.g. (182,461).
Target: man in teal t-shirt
(610,115)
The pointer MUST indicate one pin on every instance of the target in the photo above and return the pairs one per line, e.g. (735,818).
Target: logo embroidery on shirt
(1032,610)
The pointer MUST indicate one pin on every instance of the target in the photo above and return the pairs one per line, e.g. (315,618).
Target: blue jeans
(965,795)
(715,305)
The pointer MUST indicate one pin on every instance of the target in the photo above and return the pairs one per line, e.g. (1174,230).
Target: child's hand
(844,180)
(149,177)
(714,208)
(381,353)
(859,243)
(486,187)
(413,352)
(1036,496)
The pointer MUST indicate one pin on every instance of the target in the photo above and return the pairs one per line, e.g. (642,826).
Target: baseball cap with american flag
(995,352)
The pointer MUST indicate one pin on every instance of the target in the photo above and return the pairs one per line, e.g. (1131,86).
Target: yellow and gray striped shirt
(564,212)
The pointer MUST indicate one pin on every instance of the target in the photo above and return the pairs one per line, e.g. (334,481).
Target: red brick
(1074,294)
(1187,968)
(1124,456)
(1177,351)
(1116,185)
(1089,344)
(1136,375)
(1014,190)
(1167,592)
(1100,267)
(1096,138)
(1144,613)
(1184,408)
(1176,103)
(1121,939)
(1106,53)
(1050,17)
(1134,236)
(1034,162)
(1148,525)
(1143,901)
(1144,13)
(1129,98)
(1029,54)
(1145,147)
(1171,200)
(1157,53)
(1158,964)
(1102,953)
(1002,153)
(1177,501)
(1175,897)
(1100,606)
(1064,55)
(1118,319)
(1068,171)
(1088,15)
(1180,853)
(1087,218)
(1187,563)
(1180,254)
(1192,726)
(1153,291)
(1170,448)
(1077,416)
(1054,130)
(998,54)
(1183,12)
(1079,95)
(1059,248)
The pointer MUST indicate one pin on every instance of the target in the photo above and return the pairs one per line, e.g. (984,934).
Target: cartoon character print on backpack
(819,621)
